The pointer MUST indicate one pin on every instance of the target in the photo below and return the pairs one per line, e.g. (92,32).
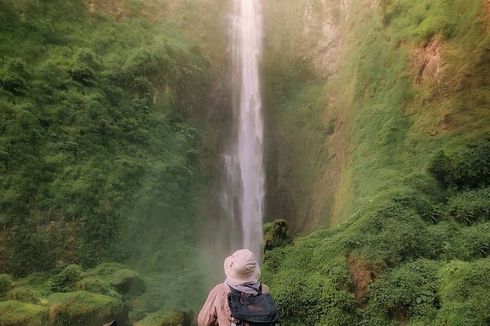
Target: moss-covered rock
(276,234)
(162,318)
(97,285)
(128,282)
(23,294)
(15,313)
(85,308)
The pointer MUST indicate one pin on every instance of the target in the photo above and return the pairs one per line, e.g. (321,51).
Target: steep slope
(363,96)
(101,142)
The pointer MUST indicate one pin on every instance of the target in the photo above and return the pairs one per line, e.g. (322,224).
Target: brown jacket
(216,311)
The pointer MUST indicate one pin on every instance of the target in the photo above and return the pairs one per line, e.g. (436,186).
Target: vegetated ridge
(379,117)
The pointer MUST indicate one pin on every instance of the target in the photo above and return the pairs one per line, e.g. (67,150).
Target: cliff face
(308,125)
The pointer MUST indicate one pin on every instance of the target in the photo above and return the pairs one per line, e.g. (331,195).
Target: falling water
(243,197)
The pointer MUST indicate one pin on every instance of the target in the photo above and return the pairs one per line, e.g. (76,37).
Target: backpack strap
(259,290)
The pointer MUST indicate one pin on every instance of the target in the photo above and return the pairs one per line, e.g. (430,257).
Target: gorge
(143,140)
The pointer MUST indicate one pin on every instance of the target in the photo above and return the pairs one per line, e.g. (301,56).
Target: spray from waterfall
(243,194)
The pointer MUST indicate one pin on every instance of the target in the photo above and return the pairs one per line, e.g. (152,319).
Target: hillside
(101,150)
(378,114)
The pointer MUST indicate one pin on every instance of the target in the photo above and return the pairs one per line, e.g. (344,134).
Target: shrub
(410,291)
(464,293)
(83,69)
(470,206)
(313,298)
(15,77)
(65,280)
(393,234)
(6,283)
(468,168)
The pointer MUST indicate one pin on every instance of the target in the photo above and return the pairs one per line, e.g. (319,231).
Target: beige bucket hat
(242,267)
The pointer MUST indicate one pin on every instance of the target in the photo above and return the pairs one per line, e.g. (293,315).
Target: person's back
(242,274)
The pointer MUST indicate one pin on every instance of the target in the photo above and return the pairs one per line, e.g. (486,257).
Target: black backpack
(259,309)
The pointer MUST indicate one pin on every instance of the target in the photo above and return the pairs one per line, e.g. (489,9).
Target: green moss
(15,313)
(84,308)
(97,285)
(39,282)
(276,234)
(24,294)
(128,282)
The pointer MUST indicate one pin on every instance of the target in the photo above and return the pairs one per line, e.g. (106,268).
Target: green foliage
(313,299)
(94,146)
(464,293)
(6,283)
(29,250)
(399,226)
(410,291)
(467,168)
(84,67)
(424,19)
(471,206)
(65,280)
(14,77)
(99,152)
(392,235)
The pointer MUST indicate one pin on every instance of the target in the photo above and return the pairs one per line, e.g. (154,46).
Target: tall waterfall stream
(242,196)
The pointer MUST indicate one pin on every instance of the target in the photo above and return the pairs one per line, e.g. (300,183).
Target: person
(242,274)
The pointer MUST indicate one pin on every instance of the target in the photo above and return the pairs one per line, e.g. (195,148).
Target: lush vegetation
(101,145)
(98,149)
(410,240)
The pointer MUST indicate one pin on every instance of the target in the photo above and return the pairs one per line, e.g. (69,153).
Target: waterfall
(243,194)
